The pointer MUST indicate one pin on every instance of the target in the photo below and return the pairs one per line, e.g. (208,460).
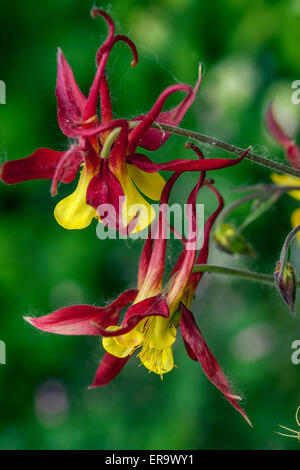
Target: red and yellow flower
(156,312)
(104,149)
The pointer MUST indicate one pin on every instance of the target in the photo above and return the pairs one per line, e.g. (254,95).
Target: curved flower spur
(150,323)
(105,152)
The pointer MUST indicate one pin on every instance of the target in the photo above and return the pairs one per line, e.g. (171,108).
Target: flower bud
(286,284)
(229,240)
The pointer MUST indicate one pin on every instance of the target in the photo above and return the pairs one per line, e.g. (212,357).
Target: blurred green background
(251,54)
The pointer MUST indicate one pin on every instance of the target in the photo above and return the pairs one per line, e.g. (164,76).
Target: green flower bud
(229,240)
(286,285)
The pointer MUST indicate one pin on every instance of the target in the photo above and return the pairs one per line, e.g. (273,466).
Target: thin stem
(228,148)
(238,203)
(261,208)
(250,275)
(261,189)
(285,250)
(266,187)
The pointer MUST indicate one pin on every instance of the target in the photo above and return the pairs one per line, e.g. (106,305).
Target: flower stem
(250,275)
(266,187)
(271,190)
(274,166)
(238,203)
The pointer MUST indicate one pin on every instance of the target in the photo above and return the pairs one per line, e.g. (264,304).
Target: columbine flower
(102,179)
(292,152)
(150,323)
(104,151)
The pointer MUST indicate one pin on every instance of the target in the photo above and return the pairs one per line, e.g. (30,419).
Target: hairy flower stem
(261,190)
(238,203)
(274,166)
(266,187)
(250,275)
(285,250)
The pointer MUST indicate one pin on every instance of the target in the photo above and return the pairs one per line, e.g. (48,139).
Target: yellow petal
(156,353)
(135,204)
(131,339)
(150,184)
(163,333)
(73,212)
(112,347)
(295,219)
(122,346)
(286,180)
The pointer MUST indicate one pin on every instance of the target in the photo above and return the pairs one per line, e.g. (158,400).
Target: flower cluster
(107,153)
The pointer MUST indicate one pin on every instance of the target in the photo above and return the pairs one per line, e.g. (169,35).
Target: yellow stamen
(155,336)
(296,434)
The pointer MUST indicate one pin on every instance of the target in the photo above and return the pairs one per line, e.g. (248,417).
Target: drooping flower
(150,323)
(104,149)
(292,152)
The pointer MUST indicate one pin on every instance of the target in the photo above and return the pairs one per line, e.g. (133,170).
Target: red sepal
(81,319)
(40,165)
(70,101)
(153,306)
(109,368)
(198,350)
(67,167)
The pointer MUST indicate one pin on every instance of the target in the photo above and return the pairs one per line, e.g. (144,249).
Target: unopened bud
(229,240)
(286,284)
